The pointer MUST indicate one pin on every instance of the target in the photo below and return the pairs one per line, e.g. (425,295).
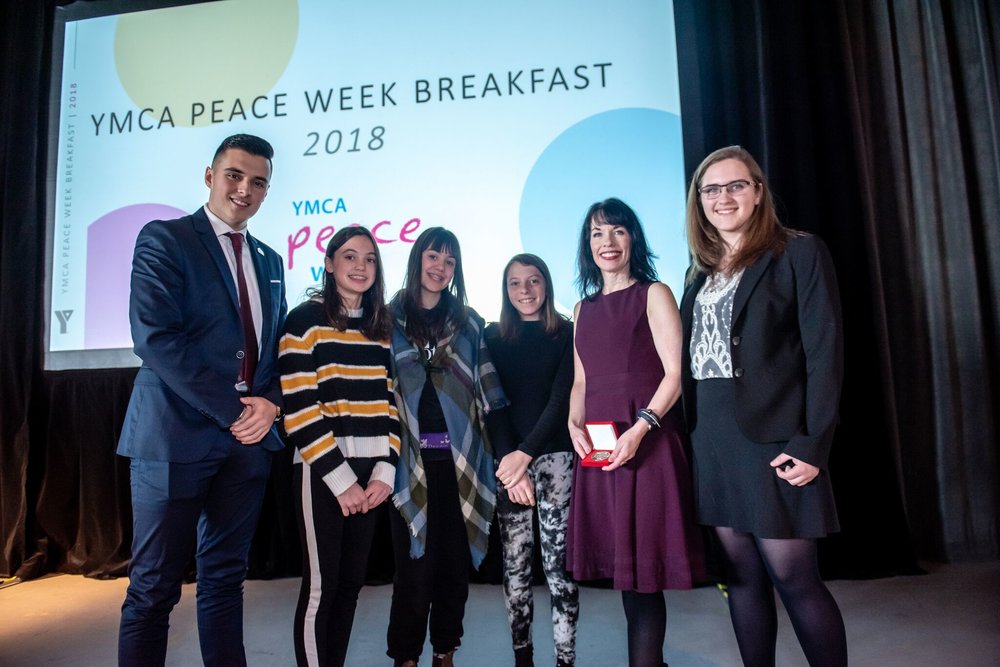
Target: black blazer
(787,350)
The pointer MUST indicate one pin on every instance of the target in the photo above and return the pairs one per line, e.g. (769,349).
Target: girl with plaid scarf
(445,488)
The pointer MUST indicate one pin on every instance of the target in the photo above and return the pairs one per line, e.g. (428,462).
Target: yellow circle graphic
(207,63)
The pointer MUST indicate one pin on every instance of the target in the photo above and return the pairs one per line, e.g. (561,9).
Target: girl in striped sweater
(342,419)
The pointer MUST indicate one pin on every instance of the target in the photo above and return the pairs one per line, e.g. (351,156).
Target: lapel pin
(260,251)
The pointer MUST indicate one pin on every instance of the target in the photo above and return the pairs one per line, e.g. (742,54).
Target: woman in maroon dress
(630,520)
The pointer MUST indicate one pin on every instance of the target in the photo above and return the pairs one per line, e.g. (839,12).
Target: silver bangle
(649,417)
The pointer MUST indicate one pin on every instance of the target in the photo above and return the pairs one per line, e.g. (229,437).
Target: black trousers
(334,562)
(437,584)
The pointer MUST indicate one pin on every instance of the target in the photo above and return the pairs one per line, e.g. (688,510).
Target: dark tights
(755,567)
(646,616)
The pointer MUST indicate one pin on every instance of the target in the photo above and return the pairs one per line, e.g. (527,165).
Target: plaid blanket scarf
(468,389)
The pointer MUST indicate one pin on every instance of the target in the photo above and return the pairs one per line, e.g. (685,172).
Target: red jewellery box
(603,436)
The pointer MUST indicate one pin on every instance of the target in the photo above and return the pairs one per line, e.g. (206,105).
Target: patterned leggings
(552,475)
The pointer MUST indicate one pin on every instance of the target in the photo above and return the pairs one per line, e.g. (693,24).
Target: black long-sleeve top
(536,371)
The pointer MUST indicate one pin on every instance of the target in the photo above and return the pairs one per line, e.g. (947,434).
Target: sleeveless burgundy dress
(633,525)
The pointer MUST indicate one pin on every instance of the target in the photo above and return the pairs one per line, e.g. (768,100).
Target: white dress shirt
(249,273)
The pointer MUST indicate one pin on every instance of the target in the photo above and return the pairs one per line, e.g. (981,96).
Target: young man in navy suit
(206,308)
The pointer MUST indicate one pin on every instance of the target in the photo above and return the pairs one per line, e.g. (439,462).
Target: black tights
(646,616)
(755,567)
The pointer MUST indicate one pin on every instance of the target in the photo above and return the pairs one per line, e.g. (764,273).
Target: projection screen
(500,121)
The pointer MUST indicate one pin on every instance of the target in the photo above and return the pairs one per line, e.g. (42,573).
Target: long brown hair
(510,318)
(764,232)
(375,320)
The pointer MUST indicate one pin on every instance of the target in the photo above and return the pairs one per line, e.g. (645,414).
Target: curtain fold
(84,510)
(22,193)
(923,76)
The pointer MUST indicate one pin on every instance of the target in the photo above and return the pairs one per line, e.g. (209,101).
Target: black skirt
(735,485)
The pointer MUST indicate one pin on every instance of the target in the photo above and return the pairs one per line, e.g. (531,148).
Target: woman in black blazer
(761,383)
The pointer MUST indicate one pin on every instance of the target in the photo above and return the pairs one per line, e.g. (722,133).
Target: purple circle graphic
(110,240)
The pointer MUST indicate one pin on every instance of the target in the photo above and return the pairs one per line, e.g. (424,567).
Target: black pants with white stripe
(334,561)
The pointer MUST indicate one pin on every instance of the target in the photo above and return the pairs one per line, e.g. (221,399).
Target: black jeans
(437,584)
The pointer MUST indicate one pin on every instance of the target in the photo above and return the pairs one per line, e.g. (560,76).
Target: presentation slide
(502,122)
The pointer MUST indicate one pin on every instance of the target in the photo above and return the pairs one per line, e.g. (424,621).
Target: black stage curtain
(877,123)
(925,119)
(22,153)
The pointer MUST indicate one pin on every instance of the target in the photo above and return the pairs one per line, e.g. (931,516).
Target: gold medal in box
(603,438)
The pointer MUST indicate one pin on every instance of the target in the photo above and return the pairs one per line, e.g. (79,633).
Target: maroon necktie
(246,317)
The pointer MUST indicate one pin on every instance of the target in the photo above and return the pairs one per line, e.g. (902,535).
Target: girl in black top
(532,349)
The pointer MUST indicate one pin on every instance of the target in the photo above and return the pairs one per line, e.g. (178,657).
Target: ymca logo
(63,317)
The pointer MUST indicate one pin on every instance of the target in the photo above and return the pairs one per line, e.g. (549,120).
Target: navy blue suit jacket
(786,344)
(185,319)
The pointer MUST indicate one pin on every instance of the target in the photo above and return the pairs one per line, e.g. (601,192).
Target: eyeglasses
(735,188)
